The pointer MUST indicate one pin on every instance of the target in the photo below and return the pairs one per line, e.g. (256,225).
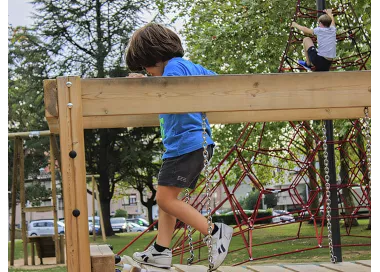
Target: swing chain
(368,148)
(208,195)
(328,201)
(189,229)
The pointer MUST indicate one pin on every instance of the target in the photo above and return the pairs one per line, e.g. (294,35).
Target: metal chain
(189,229)
(328,201)
(368,148)
(208,191)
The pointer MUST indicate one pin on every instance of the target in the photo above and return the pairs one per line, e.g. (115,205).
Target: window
(60,204)
(49,224)
(132,200)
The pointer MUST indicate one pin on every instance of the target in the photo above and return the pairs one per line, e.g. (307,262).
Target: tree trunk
(106,206)
(347,200)
(104,183)
(150,214)
(150,201)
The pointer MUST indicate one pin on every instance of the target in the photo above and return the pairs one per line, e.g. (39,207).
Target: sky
(19,12)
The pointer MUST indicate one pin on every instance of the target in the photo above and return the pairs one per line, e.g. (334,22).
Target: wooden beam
(15,177)
(117,96)
(150,120)
(24,228)
(73,174)
(29,134)
(54,196)
(93,208)
(102,259)
(100,214)
(132,102)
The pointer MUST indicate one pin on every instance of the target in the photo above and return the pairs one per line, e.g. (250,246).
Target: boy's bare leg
(170,208)
(307,43)
(166,224)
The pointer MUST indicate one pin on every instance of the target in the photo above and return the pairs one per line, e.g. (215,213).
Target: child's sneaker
(304,64)
(220,243)
(154,258)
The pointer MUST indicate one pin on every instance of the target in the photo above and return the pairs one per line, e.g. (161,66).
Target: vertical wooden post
(54,196)
(17,141)
(93,207)
(100,215)
(33,254)
(22,202)
(62,248)
(73,173)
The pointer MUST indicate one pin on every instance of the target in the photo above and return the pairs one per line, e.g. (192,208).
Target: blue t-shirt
(182,133)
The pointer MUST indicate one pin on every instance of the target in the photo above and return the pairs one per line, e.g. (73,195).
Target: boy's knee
(306,39)
(161,201)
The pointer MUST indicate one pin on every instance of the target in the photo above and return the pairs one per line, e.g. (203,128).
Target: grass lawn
(259,236)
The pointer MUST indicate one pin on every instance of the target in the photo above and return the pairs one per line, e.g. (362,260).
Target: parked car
(119,224)
(97,225)
(44,228)
(282,216)
(139,221)
(135,227)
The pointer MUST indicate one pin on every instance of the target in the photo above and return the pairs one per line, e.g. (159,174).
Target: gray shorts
(183,171)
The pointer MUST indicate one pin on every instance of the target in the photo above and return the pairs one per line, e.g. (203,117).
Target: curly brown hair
(151,44)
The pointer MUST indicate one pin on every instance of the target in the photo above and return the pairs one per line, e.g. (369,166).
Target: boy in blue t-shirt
(326,37)
(158,50)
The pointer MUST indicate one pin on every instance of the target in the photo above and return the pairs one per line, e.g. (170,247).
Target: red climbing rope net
(295,159)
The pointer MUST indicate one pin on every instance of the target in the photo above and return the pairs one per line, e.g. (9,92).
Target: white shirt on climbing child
(326,37)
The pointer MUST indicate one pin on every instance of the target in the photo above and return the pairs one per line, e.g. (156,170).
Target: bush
(229,219)
(121,213)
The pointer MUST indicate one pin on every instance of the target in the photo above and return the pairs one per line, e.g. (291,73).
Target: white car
(135,227)
(281,216)
(119,224)
(44,228)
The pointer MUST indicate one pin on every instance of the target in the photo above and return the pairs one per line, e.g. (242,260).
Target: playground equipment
(350,33)
(18,177)
(126,102)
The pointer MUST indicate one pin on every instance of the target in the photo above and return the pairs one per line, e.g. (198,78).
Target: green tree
(250,201)
(121,213)
(28,65)
(88,38)
(241,36)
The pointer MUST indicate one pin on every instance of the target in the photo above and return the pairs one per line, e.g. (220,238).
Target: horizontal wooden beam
(29,134)
(133,102)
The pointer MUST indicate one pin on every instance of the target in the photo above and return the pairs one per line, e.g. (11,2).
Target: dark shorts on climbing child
(183,171)
(320,63)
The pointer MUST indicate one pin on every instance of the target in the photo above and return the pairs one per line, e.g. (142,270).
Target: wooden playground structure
(74,104)
(53,245)
(46,246)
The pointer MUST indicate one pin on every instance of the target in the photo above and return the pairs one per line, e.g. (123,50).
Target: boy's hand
(328,11)
(135,75)
(294,24)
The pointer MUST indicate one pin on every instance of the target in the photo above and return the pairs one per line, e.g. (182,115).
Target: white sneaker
(220,243)
(154,258)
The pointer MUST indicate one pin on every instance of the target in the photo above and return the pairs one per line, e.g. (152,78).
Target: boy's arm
(304,29)
(329,13)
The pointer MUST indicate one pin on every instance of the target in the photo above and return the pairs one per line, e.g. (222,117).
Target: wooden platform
(354,266)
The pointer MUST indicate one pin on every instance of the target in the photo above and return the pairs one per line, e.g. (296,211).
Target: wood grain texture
(102,259)
(135,102)
(255,92)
